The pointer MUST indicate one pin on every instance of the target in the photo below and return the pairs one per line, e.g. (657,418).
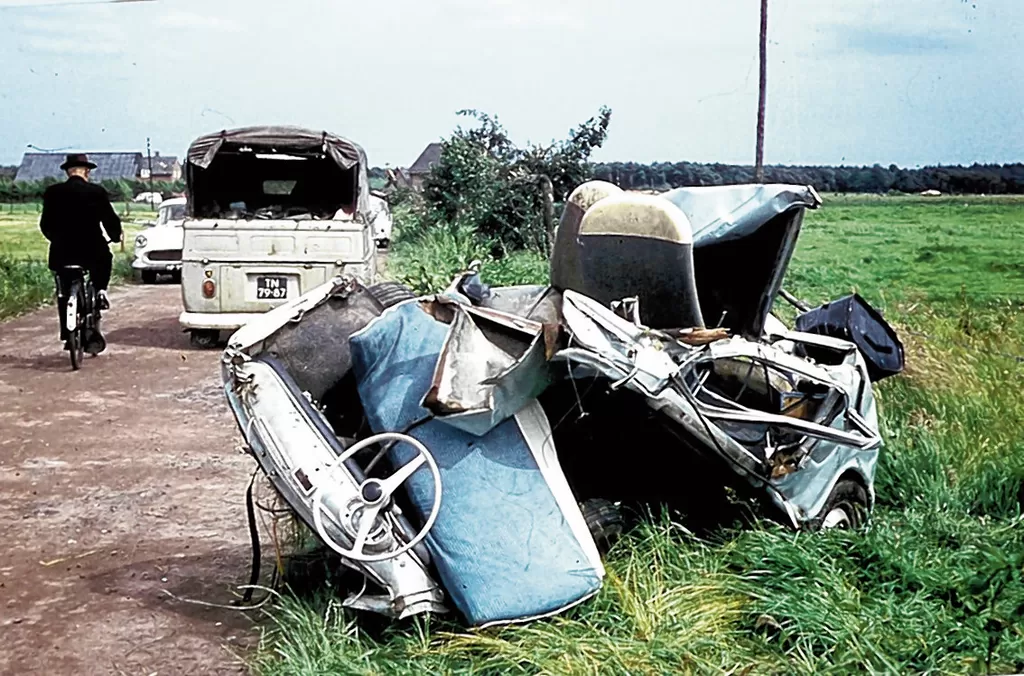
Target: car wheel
(149,276)
(846,507)
(204,338)
(605,521)
(390,293)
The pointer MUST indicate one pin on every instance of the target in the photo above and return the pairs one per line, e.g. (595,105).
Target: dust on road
(119,481)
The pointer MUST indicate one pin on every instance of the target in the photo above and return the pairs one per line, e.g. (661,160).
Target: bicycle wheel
(92,339)
(76,311)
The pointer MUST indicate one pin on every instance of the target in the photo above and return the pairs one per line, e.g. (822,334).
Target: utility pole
(149,156)
(759,156)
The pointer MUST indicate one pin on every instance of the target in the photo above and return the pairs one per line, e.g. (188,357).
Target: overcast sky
(911,82)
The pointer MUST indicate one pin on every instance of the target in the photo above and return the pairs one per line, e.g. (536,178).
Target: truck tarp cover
(345,153)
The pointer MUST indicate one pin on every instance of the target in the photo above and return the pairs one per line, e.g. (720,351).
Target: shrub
(500,191)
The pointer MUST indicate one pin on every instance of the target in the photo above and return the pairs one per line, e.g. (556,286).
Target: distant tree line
(976,179)
(989,179)
(120,190)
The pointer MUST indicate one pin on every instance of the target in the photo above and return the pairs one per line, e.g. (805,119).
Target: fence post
(548,200)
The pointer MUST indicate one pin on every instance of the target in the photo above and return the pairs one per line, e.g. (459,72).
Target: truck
(273,212)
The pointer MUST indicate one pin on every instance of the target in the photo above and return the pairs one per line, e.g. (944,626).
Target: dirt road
(118,482)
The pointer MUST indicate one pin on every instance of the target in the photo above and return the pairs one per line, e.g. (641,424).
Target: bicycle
(81,314)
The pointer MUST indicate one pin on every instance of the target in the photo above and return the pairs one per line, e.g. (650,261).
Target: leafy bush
(487,200)
(486,183)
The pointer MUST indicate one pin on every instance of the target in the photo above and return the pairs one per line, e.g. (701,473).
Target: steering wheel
(361,514)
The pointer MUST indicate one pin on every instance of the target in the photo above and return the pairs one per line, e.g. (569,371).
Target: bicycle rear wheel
(76,311)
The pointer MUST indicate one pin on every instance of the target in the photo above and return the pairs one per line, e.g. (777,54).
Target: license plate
(271,288)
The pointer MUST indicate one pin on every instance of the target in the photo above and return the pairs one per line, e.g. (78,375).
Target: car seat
(632,244)
(565,256)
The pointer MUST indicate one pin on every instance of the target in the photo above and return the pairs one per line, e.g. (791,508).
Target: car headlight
(140,242)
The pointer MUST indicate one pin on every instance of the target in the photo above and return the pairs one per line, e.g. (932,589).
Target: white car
(153,198)
(158,247)
(380,217)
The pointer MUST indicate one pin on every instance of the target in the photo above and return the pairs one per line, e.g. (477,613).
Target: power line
(33,5)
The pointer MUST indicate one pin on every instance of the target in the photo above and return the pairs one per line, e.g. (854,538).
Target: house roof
(163,165)
(427,159)
(37,166)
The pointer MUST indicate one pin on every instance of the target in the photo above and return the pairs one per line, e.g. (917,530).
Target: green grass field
(935,584)
(25,281)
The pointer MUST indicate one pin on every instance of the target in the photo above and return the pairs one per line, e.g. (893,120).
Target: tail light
(209,289)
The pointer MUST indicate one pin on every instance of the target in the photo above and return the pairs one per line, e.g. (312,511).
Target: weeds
(27,284)
(23,285)
(428,262)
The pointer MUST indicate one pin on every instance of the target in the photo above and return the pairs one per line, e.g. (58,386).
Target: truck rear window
(278,187)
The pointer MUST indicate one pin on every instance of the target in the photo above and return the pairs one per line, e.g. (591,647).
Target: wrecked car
(272,213)
(473,450)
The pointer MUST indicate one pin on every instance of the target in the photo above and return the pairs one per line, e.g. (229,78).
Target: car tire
(148,277)
(604,520)
(846,507)
(390,293)
(204,339)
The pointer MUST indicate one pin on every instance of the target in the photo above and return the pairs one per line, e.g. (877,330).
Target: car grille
(171,255)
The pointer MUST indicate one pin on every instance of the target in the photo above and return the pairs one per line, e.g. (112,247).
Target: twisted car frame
(473,450)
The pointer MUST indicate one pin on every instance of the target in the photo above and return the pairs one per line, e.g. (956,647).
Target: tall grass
(934,584)
(26,284)
(23,285)
(25,281)
(428,262)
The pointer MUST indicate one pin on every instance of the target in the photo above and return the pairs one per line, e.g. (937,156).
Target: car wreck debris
(442,446)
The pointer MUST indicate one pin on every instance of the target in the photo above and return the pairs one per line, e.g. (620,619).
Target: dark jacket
(72,214)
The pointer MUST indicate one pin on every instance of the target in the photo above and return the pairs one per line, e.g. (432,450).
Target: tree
(484,181)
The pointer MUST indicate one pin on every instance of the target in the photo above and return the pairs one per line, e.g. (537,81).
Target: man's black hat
(77,160)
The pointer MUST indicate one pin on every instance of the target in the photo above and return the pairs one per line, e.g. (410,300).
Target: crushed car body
(470,451)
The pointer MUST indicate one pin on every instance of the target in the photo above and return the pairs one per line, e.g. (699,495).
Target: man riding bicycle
(71,218)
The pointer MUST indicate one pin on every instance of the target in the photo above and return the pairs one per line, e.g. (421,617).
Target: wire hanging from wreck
(254,572)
